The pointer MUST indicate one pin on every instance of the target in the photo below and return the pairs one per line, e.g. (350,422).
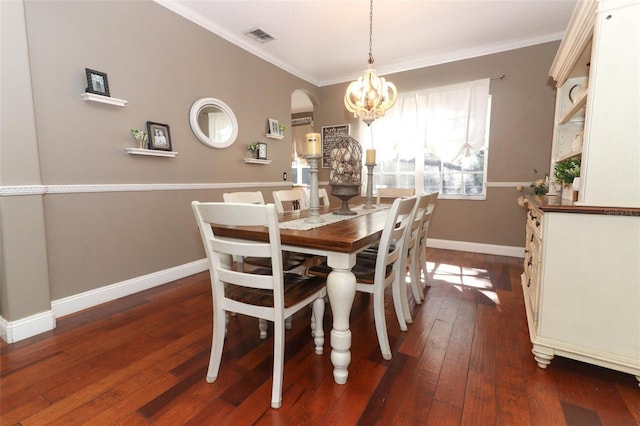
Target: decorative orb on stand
(345,192)
(344,177)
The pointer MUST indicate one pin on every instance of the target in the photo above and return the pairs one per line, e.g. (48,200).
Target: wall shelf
(151,152)
(103,99)
(256,161)
(274,136)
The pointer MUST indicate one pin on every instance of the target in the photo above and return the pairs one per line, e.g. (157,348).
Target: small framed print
(159,137)
(262,151)
(274,127)
(97,82)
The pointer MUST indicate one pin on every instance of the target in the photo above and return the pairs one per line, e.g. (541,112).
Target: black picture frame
(262,151)
(159,136)
(97,82)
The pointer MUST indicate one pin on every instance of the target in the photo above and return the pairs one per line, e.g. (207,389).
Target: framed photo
(97,82)
(159,137)
(262,151)
(274,127)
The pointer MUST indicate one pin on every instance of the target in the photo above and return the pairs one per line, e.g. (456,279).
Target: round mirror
(213,122)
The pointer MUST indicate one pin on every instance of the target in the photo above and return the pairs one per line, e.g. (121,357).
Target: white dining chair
(292,261)
(251,197)
(391,193)
(272,296)
(387,268)
(420,256)
(290,199)
(287,200)
(412,249)
(323,197)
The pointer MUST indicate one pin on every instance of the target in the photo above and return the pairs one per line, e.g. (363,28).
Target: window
(301,173)
(300,169)
(447,128)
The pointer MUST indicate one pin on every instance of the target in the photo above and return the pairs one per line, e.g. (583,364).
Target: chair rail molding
(17,190)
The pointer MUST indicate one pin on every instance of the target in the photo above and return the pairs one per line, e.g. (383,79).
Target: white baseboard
(14,331)
(88,299)
(23,328)
(476,247)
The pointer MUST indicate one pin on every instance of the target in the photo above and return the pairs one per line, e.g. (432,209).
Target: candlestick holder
(369,202)
(314,199)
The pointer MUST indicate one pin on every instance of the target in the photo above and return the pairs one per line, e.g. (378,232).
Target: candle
(371,156)
(312,147)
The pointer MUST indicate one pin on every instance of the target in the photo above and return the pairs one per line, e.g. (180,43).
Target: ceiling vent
(260,35)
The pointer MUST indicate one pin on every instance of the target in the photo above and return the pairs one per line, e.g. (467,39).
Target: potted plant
(254,148)
(564,173)
(141,137)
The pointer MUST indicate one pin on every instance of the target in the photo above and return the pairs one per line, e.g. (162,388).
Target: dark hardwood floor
(465,360)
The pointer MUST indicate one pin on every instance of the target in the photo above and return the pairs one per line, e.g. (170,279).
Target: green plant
(139,134)
(566,171)
(253,147)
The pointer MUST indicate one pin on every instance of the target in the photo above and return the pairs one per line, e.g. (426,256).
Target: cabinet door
(610,174)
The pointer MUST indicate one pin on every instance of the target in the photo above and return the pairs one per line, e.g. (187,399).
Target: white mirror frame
(198,106)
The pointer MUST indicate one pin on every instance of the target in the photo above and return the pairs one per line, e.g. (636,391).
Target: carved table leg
(341,288)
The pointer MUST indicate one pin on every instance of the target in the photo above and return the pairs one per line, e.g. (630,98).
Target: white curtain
(446,121)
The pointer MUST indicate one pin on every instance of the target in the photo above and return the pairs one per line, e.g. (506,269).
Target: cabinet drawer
(534,220)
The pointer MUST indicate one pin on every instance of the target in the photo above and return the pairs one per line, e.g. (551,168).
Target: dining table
(339,241)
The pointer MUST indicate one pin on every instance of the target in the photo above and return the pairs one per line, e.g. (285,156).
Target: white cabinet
(581,279)
(601,49)
(581,285)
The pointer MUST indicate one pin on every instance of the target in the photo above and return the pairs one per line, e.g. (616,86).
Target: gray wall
(161,63)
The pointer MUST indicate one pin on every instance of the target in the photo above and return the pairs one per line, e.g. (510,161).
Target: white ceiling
(327,41)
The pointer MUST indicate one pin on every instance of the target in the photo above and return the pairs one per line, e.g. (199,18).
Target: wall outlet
(284,175)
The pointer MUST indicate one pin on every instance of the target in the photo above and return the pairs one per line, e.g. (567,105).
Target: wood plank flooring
(465,360)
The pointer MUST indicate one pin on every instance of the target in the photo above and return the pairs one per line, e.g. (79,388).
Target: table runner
(329,218)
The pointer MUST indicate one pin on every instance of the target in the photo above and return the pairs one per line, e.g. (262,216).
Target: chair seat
(296,288)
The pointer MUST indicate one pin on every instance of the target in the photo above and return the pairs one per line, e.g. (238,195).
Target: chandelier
(370,96)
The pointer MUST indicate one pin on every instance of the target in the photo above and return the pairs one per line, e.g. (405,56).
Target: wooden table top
(347,236)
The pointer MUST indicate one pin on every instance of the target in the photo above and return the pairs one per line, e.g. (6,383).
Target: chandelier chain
(371,33)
